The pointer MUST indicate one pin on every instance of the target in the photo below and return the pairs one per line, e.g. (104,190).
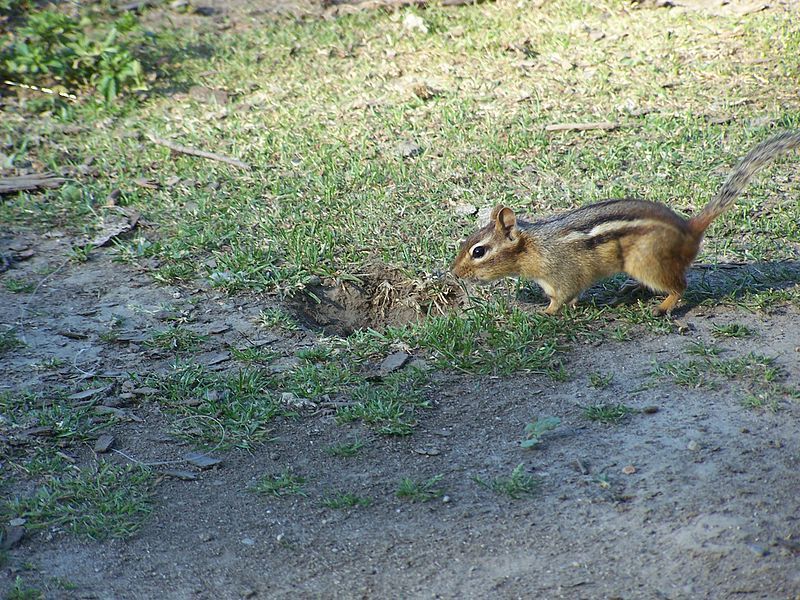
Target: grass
(20,591)
(175,339)
(340,500)
(17,285)
(732,330)
(760,376)
(610,413)
(419,490)
(106,501)
(64,421)
(345,449)
(284,484)
(515,486)
(9,341)
(232,409)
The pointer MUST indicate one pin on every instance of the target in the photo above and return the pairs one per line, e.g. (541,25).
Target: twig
(581,126)
(24,183)
(195,152)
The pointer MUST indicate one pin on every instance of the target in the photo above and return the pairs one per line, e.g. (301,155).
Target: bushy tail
(740,176)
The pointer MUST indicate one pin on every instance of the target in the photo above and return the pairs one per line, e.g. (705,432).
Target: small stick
(581,126)
(43,90)
(194,152)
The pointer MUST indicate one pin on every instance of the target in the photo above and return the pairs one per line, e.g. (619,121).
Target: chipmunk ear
(505,221)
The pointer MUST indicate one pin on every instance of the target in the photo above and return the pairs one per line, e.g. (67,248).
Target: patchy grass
(20,591)
(18,285)
(284,484)
(61,419)
(345,449)
(175,339)
(106,501)
(419,490)
(219,409)
(733,330)
(9,341)
(611,413)
(344,500)
(515,486)
(760,377)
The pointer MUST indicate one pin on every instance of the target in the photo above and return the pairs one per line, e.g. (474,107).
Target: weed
(537,428)
(52,46)
(283,484)
(80,254)
(345,449)
(65,421)
(18,286)
(734,330)
(110,501)
(515,486)
(600,381)
(344,500)
(19,591)
(607,413)
(419,491)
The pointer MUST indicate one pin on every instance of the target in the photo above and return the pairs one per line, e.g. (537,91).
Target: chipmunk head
(491,252)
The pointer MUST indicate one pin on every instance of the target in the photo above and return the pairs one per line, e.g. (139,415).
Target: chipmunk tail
(738,179)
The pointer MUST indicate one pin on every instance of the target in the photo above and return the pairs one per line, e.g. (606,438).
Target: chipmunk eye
(478,251)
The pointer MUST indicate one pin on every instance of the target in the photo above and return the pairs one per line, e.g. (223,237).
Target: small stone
(180,474)
(693,446)
(205,537)
(445,499)
(758,550)
(87,393)
(103,443)
(13,536)
(144,391)
(409,149)
(203,461)
(412,22)
(465,210)
(248,541)
(650,410)
(629,470)
(18,522)
(394,361)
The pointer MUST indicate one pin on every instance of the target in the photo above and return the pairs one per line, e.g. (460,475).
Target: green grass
(232,409)
(17,285)
(419,490)
(20,591)
(599,381)
(277,318)
(611,413)
(760,378)
(733,330)
(108,501)
(515,486)
(284,484)
(9,341)
(176,339)
(345,449)
(340,500)
(65,421)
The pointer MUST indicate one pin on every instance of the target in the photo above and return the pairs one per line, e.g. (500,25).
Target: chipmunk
(566,253)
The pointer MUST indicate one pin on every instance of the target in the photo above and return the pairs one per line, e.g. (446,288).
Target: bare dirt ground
(709,511)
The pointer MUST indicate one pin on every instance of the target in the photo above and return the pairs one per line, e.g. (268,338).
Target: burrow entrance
(383,296)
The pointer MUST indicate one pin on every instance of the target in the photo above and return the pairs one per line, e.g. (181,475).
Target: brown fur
(565,254)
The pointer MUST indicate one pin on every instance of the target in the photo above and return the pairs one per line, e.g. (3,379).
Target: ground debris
(202,461)
(26,183)
(103,443)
